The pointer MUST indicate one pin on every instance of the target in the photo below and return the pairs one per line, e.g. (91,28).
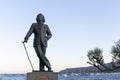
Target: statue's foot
(49,70)
(42,70)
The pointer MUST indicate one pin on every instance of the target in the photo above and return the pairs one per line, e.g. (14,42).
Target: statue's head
(40,18)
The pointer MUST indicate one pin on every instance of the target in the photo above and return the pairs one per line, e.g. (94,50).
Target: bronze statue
(42,34)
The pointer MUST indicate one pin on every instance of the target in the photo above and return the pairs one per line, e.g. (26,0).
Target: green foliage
(95,57)
(115,51)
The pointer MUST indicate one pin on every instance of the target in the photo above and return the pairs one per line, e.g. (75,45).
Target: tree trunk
(107,68)
(113,65)
(98,68)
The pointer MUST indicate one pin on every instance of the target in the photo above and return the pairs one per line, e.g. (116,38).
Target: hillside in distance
(90,69)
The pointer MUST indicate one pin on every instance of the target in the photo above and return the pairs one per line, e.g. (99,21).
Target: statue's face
(40,18)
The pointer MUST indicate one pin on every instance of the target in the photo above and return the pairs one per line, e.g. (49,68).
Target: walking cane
(28,56)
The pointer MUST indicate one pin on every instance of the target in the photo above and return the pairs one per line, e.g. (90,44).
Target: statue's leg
(42,57)
(37,51)
(42,65)
(38,55)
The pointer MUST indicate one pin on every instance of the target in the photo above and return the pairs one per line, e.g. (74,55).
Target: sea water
(73,76)
(90,76)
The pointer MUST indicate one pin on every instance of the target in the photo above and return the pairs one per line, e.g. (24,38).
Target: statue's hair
(41,15)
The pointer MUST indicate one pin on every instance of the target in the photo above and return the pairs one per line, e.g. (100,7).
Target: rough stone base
(42,76)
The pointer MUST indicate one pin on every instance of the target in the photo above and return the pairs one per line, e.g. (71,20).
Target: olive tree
(115,51)
(95,58)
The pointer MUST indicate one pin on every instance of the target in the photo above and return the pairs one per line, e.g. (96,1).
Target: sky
(77,26)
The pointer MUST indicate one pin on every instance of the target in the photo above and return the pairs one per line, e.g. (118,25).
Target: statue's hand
(46,37)
(25,41)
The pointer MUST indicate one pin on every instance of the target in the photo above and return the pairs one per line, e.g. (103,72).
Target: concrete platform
(42,76)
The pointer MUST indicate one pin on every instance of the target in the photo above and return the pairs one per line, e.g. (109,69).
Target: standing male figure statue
(42,34)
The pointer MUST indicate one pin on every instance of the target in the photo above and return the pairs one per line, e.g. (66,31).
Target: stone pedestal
(42,76)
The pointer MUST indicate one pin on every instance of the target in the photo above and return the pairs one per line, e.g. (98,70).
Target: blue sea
(73,76)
